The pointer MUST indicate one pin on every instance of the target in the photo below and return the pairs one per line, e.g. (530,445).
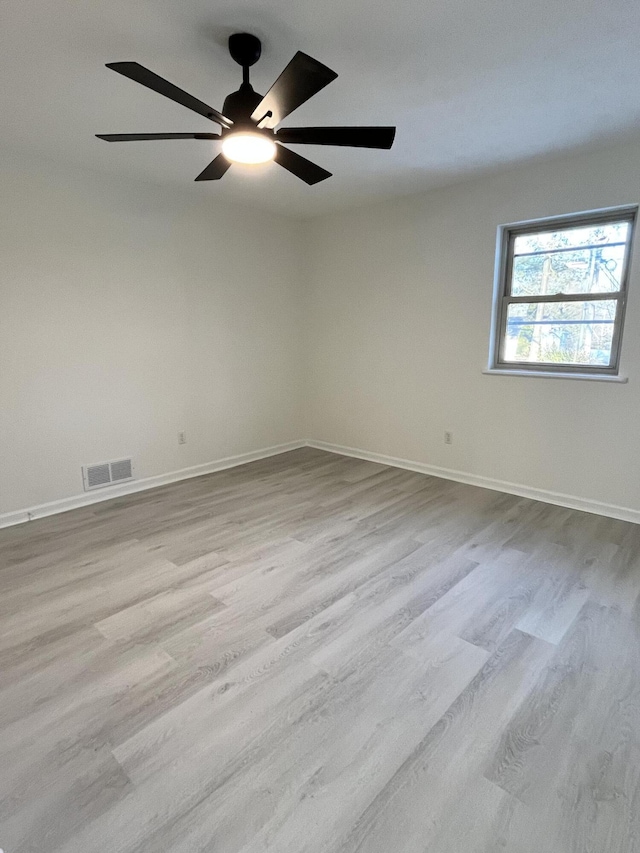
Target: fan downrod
(245,49)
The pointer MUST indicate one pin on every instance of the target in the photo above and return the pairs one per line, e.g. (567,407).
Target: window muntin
(560,306)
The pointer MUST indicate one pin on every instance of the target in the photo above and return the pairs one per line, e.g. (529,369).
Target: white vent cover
(106,473)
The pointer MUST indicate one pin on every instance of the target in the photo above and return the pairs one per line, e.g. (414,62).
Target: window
(561,294)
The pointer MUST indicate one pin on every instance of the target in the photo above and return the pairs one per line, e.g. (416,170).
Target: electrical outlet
(182,437)
(448,438)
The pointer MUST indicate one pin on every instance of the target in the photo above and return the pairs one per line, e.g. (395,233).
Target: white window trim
(547,374)
(561,371)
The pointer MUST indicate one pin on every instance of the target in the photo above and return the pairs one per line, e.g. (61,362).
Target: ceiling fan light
(248,148)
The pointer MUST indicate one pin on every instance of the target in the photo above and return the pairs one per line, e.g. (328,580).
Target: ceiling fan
(248,120)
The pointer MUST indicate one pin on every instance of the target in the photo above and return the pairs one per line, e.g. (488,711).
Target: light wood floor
(313,654)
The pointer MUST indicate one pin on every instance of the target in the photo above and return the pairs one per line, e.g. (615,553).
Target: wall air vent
(106,474)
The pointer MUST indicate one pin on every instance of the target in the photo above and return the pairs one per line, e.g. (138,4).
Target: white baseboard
(570,501)
(86,499)
(8,519)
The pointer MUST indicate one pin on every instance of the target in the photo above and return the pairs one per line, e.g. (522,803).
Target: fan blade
(215,170)
(134,137)
(140,74)
(301,79)
(355,137)
(299,166)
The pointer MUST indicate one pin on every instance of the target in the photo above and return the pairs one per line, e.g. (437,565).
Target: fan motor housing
(239,106)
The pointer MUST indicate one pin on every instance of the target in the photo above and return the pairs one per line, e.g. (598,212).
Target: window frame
(503,298)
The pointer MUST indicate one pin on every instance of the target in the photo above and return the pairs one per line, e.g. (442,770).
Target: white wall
(400,305)
(128,313)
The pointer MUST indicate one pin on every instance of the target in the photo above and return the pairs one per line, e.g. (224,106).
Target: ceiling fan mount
(248,120)
(245,49)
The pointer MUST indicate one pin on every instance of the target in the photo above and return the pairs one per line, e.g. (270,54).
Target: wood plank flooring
(315,654)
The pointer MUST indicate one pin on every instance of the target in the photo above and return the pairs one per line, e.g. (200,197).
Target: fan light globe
(248,148)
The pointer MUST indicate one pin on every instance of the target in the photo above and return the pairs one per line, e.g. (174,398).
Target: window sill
(552,375)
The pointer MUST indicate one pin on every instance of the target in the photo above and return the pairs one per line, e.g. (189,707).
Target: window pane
(611,232)
(580,271)
(560,332)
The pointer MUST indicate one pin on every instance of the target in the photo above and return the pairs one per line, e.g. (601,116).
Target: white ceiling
(470,85)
